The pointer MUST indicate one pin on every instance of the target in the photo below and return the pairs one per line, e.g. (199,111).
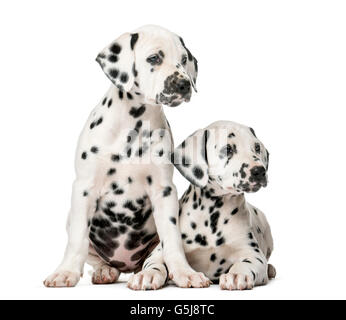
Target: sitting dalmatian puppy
(226,238)
(123,197)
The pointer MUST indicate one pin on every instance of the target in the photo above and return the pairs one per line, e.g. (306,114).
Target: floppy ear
(191,65)
(118,61)
(191,158)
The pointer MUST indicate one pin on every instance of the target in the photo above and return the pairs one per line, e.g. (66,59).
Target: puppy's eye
(257,148)
(154,59)
(184,60)
(227,151)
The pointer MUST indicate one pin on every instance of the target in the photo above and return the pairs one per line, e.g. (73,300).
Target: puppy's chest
(122,131)
(210,222)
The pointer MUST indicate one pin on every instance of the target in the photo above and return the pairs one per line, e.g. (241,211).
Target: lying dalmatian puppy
(123,196)
(226,238)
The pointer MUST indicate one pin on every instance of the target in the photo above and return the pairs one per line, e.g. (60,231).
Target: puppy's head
(226,155)
(155,61)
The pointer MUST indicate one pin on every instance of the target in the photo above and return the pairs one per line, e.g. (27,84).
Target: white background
(278,66)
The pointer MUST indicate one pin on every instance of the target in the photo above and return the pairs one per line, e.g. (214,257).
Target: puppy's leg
(71,268)
(154,274)
(165,203)
(249,269)
(103,273)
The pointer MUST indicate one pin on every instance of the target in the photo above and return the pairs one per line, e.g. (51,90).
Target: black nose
(258,173)
(183,86)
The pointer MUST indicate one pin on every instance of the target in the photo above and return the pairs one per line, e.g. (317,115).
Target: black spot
(129,179)
(115,157)
(198,172)
(121,94)
(119,191)
(149,179)
(124,77)
(110,103)
(114,186)
(214,218)
(104,101)
(138,125)
(128,153)
(213,257)
(246,261)
(220,241)
(137,112)
(218,203)
(111,171)
(113,58)
(254,244)
(115,48)
(173,220)
(193,225)
(117,264)
(84,155)
(135,73)
(110,204)
(129,95)
(147,238)
(253,132)
(94,149)
(259,260)
(134,38)
(201,240)
(129,205)
(250,235)
(160,154)
(167,191)
(113,73)
(99,121)
(85,193)
(223,261)
(234,211)
(184,236)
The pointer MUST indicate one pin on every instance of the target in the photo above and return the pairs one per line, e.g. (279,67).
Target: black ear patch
(134,38)
(253,132)
(204,149)
(189,54)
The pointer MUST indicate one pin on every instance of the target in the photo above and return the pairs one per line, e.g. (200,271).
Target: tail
(271,271)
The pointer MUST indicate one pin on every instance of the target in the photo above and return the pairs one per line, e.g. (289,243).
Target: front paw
(62,279)
(147,280)
(105,275)
(236,281)
(189,279)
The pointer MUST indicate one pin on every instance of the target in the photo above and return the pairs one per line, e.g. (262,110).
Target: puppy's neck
(128,107)
(217,191)
(233,200)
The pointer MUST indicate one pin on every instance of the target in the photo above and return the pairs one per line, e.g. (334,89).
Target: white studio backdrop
(277,66)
